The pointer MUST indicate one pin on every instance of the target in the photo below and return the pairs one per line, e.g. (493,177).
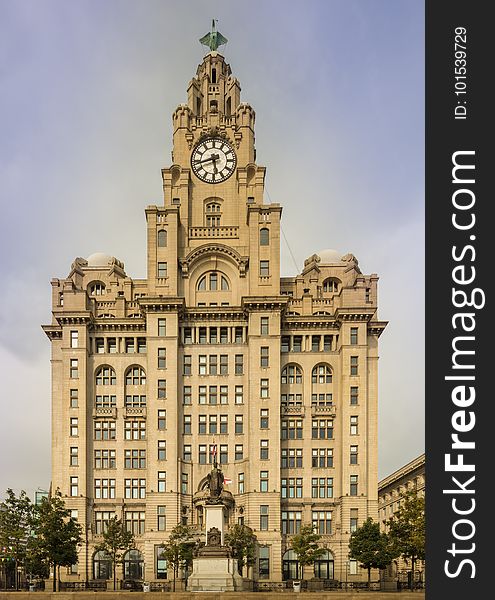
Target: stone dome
(329,256)
(99,259)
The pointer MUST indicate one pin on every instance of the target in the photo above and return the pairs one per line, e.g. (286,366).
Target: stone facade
(215,352)
(410,477)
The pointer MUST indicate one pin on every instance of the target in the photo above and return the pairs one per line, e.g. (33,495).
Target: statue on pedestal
(215,484)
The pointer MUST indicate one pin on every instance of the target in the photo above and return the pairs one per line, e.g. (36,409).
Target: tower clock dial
(213,160)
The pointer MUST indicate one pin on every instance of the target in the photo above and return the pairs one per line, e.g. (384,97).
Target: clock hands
(213,157)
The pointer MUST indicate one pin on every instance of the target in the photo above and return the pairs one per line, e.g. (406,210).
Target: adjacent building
(213,353)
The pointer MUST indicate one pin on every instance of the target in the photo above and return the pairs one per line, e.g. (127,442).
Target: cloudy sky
(87,92)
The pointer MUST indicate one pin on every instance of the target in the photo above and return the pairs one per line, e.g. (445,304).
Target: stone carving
(214,537)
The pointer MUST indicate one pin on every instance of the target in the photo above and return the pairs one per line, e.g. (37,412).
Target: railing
(329,409)
(105,411)
(214,232)
(292,410)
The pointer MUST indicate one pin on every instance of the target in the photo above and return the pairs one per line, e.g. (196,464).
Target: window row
(213,335)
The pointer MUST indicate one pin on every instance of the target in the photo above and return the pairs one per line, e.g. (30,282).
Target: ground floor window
(324,566)
(290,565)
(102,565)
(264,562)
(133,565)
(160,563)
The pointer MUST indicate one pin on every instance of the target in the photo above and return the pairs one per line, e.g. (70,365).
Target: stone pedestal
(214,520)
(214,574)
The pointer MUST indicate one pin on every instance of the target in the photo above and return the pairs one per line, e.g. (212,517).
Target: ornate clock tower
(214,358)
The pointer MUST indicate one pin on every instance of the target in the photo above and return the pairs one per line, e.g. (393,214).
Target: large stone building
(214,352)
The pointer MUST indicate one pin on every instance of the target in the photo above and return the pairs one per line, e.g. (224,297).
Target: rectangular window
(224,424)
(292,429)
(224,394)
(187,428)
(162,358)
(187,335)
(184,483)
(291,487)
(74,486)
(202,365)
(129,346)
(101,520)
(135,401)
(354,395)
(322,522)
(239,452)
(141,345)
(162,269)
(162,450)
(187,453)
(112,345)
(291,522)
(213,364)
(134,459)
(322,487)
(187,395)
(212,453)
(74,456)
(213,397)
(354,425)
(162,420)
(239,424)
(264,268)
(354,336)
(264,325)
(162,388)
(264,562)
(202,454)
(74,369)
(238,335)
(74,339)
(291,458)
(297,343)
(162,327)
(224,454)
(353,485)
(264,388)
(162,481)
(202,424)
(74,427)
(264,357)
(104,430)
(105,459)
(134,430)
(240,483)
(223,332)
(224,364)
(264,449)
(353,567)
(161,523)
(105,488)
(202,335)
(353,525)
(315,343)
(354,365)
(285,343)
(264,517)
(213,330)
(239,364)
(74,398)
(134,521)
(239,394)
(353,459)
(263,481)
(212,424)
(264,418)
(327,343)
(322,429)
(322,457)
(202,394)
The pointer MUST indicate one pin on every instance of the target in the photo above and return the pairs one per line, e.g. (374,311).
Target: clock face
(213,160)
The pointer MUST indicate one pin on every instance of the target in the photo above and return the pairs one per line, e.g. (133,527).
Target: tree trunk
(413,560)
(114,575)
(369,578)
(54,577)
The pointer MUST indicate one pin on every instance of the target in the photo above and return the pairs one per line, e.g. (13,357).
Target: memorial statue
(215,483)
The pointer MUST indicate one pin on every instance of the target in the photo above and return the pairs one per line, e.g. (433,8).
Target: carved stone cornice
(309,322)
(73,318)
(213,248)
(376,327)
(213,313)
(263,303)
(354,314)
(53,332)
(118,325)
(161,304)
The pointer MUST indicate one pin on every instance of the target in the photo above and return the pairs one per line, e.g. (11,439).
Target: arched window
(321,389)
(213,75)
(96,288)
(135,376)
(324,566)
(105,375)
(264,236)
(213,282)
(228,108)
(331,285)
(102,565)
(291,388)
(133,565)
(290,565)
(161,238)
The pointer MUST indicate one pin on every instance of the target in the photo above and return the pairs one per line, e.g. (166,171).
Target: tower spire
(214,38)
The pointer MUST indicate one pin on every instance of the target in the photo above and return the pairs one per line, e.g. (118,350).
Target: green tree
(407,529)
(15,528)
(305,545)
(371,547)
(179,549)
(116,542)
(242,543)
(56,535)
